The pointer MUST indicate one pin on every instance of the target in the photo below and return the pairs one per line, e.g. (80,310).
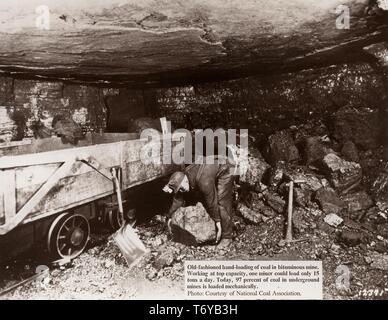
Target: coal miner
(212,184)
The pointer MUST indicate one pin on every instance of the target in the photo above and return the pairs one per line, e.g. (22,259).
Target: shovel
(126,238)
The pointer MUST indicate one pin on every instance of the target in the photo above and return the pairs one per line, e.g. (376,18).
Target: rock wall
(123,106)
(25,102)
(265,105)
(261,104)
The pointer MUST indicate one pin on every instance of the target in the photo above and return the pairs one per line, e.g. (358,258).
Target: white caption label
(253,280)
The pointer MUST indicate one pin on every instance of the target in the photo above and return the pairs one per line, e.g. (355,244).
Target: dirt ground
(101,272)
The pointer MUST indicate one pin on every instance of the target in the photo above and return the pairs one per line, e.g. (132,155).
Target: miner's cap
(175,181)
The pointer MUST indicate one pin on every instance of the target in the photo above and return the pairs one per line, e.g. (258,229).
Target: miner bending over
(211,184)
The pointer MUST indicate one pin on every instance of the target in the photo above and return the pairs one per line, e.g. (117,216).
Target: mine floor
(101,272)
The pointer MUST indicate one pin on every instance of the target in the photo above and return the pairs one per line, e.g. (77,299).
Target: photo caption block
(253,280)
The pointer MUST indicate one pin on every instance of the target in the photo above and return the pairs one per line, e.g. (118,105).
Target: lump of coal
(275,202)
(69,130)
(343,175)
(193,225)
(41,131)
(277,174)
(302,196)
(358,201)
(248,214)
(328,201)
(306,184)
(314,150)
(378,260)
(307,180)
(281,147)
(360,125)
(165,258)
(379,188)
(351,238)
(312,128)
(333,220)
(253,201)
(298,220)
(256,169)
(140,124)
(350,152)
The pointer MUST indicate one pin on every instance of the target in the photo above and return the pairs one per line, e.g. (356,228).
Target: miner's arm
(210,197)
(177,202)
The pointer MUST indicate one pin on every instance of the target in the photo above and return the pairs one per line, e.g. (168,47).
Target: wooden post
(289,216)
(9,185)
(163,123)
(118,192)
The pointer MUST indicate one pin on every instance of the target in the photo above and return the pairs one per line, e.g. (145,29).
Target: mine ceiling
(161,42)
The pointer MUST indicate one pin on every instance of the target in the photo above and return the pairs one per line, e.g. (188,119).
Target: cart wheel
(113,219)
(68,235)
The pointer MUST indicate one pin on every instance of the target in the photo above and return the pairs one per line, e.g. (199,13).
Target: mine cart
(52,191)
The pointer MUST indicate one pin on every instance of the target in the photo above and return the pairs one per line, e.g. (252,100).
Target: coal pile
(340,216)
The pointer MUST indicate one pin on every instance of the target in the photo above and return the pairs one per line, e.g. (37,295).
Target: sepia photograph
(194,150)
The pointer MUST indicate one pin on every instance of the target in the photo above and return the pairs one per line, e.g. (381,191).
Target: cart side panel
(74,191)
(30,179)
(77,184)
(81,185)
(136,170)
(131,150)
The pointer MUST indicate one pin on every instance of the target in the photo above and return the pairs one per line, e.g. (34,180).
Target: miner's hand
(219,231)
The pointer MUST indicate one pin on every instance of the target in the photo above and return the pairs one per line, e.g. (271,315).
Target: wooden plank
(101,159)
(9,195)
(2,190)
(131,149)
(98,151)
(13,144)
(28,146)
(113,137)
